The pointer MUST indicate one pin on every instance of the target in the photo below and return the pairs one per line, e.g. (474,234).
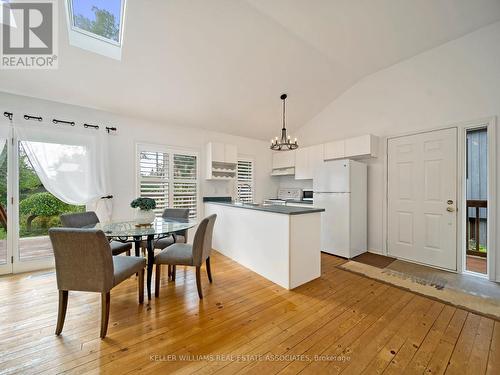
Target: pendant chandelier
(284,143)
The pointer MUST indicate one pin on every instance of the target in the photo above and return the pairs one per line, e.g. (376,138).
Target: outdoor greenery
(143,203)
(105,24)
(38,209)
(472,246)
(46,207)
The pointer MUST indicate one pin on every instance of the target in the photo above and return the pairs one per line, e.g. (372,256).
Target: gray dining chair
(182,254)
(83,219)
(84,263)
(181,237)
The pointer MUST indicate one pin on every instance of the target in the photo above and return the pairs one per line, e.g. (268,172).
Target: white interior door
(422,193)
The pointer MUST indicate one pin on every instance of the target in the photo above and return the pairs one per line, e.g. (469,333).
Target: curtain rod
(57,122)
(109,129)
(29,117)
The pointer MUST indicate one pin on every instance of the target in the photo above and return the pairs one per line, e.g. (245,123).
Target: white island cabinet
(279,243)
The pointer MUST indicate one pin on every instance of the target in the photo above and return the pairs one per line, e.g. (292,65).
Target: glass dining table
(128,231)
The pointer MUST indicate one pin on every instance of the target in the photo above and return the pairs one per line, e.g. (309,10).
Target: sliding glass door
(27,211)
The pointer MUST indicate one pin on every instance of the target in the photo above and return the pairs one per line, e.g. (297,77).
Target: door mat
(375,260)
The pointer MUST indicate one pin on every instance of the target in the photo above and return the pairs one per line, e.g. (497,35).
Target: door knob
(450,209)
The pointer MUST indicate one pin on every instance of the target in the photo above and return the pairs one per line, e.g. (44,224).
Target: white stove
(284,195)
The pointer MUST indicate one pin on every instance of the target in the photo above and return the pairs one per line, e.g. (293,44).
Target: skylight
(97,25)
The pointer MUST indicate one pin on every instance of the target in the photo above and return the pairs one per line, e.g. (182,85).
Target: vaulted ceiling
(222,64)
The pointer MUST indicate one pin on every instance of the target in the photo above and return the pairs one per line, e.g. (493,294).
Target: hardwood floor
(244,324)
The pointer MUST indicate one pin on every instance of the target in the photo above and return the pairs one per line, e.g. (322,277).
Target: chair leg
(61,315)
(105,300)
(198,282)
(128,253)
(157,280)
(174,269)
(140,285)
(169,272)
(209,270)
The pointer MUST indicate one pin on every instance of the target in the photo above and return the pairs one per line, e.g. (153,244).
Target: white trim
(490,122)
(141,146)
(252,184)
(8,266)
(92,42)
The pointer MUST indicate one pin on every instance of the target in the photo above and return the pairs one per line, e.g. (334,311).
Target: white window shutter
(245,181)
(185,184)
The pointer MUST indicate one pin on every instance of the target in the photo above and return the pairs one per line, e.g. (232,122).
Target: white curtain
(71,163)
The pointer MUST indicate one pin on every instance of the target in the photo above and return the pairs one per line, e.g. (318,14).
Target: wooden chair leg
(157,280)
(140,285)
(209,270)
(174,269)
(61,315)
(105,301)
(169,272)
(198,282)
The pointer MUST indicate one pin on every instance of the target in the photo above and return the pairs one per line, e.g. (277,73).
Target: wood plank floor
(340,323)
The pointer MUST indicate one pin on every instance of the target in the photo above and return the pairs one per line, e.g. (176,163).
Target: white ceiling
(222,64)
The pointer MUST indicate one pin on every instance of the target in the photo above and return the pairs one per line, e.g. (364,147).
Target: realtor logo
(29,35)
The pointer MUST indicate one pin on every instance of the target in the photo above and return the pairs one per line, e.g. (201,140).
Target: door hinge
(11,200)
(12,141)
(12,259)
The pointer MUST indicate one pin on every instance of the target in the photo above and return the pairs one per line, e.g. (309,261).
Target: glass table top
(129,229)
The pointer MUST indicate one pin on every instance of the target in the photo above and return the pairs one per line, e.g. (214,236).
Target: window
(245,180)
(169,177)
(97,25)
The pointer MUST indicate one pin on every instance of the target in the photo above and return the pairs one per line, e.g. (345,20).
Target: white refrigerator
(340,187)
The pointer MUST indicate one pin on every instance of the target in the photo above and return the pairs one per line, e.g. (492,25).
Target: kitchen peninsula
(280,243)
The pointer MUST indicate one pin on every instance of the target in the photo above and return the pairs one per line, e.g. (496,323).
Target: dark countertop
(286,210)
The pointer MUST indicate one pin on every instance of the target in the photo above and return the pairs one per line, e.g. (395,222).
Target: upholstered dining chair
(182,254)
(84,263)
(173,214)
(82,219)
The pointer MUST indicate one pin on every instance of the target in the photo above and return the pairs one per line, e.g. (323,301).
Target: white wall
(291,182)
(131,131)
(456,82)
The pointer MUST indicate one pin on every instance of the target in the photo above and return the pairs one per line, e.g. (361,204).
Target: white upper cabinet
(352,148)
(360,147)
(306,161)
(334,150)
(302,163)
(216,152)
(221,161)
(316,158)
(230,154)
(283,159)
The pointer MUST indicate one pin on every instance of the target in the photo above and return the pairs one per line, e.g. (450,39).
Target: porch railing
(3,217)
(473,226)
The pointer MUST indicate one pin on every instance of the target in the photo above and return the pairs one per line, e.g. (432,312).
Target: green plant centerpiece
(144,213)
